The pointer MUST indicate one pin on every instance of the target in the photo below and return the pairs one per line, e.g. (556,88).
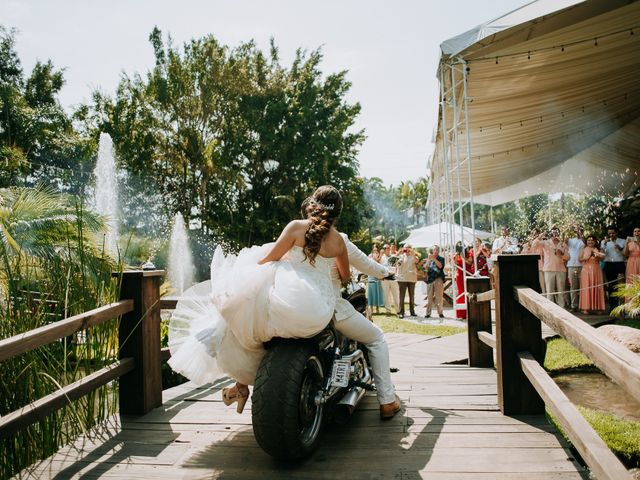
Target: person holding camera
(434,264)
(574,266)
(407,276)
(591,280)
(614,270)
(535,246)
(555,272)
(375,296)
(390,290)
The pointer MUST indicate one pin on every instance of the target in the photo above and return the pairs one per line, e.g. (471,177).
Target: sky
(390,49)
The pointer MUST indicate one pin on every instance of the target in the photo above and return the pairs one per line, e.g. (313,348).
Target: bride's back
(331,244)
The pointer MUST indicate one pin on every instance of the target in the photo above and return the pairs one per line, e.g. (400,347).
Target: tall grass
(50,268)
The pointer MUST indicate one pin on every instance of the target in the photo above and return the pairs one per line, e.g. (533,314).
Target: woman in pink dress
(632,252)
(591,278)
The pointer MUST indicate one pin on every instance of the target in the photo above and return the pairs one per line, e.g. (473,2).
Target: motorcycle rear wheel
(286,420)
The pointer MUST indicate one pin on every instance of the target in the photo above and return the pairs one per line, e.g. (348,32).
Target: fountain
(180,263)
(106,192)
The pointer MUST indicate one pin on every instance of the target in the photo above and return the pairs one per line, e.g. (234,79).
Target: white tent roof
(439,234)
(554,91)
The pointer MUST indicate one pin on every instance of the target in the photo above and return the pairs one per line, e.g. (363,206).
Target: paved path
(449,429)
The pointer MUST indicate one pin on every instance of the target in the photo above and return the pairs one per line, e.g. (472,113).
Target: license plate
(340,373)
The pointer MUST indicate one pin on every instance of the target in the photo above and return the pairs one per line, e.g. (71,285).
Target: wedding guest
(462,260)
(535,246)
(375,297)
(591,279)
(614,270)
(504,243)
(390,290)
(434,265)
(487,248)
(407,276)
(632,252)
(482,255)
(574,266)
(555,271)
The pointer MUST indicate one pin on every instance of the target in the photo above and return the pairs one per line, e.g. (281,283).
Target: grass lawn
(390,324)
(622,436)
(561,356)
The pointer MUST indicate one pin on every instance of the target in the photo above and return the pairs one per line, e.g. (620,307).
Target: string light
(555,47)
(562,137)
(567,111)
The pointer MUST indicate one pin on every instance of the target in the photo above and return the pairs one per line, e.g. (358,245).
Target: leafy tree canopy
(38,143)
(233,139)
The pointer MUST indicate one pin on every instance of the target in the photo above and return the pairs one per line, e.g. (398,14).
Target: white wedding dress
(219,326)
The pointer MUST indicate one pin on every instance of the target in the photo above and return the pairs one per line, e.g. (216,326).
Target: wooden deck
(450,428)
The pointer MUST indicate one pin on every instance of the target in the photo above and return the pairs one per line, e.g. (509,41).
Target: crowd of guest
(581,272)
(576,272)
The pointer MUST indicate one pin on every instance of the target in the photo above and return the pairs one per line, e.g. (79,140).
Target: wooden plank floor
(449,429)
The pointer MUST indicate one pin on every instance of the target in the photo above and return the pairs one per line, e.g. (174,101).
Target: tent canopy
(553,100)
(440,234)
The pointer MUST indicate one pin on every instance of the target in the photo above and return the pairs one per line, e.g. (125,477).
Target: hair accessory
(330,206)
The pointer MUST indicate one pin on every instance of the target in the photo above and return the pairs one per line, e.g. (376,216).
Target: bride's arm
(284,243)
(342,262)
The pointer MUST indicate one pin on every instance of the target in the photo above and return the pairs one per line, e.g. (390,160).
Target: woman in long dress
(481,254)
(281,289)
(632,252)
(591,278)
(462,259)
(375,296)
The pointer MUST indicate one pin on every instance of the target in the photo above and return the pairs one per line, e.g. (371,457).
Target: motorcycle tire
(286,421)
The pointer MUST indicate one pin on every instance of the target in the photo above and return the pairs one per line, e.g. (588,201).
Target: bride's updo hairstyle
(322,208)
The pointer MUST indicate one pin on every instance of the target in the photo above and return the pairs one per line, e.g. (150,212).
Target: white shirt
(575,245)
(362,263)
(612,253)
(505,244)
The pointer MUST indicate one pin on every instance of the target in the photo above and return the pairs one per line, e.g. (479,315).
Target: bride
(280,289)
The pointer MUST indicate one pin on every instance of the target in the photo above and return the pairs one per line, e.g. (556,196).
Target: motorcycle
(303,383)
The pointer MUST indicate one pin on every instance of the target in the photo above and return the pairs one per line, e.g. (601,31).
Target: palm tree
(631,293)
(46,244)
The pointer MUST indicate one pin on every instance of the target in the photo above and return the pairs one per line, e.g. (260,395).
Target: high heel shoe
(234,394)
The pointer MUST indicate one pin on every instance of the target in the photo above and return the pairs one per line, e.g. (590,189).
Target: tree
(391,211)
(38,143)
(412,197)
(232,139)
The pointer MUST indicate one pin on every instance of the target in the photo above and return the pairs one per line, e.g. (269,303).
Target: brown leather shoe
(388,410)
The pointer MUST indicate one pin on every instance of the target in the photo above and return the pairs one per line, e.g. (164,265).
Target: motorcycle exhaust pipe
(347,404)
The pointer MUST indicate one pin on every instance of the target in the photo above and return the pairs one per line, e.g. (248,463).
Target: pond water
(594,390)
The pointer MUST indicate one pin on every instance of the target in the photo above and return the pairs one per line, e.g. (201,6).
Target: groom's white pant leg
(358,328)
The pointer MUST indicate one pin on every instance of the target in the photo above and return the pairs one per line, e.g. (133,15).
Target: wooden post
(517,330)
(478,320)
(139,338)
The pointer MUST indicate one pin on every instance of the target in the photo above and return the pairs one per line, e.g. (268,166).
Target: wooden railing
(139,355)
(524,387)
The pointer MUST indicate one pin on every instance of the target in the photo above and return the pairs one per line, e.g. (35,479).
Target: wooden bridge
(457,422)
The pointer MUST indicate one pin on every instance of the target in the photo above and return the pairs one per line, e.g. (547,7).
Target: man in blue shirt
(434,265)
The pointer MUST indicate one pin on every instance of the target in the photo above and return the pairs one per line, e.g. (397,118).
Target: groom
(354,325)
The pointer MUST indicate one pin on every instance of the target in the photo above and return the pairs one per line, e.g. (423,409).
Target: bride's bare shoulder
(296,225)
